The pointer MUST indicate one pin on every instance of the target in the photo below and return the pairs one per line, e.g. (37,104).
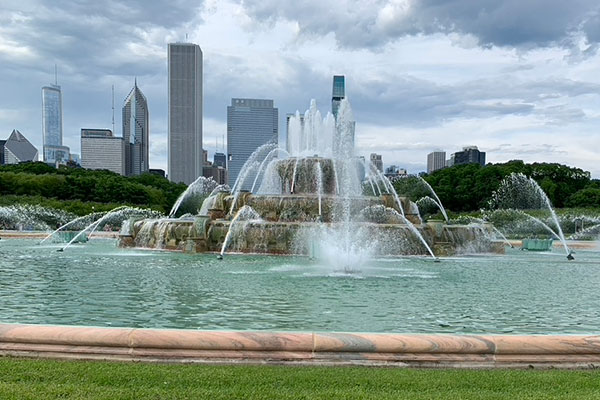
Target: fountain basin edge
(300,348)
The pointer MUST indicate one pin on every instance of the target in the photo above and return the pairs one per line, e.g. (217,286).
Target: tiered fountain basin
(288,222)
(311,203)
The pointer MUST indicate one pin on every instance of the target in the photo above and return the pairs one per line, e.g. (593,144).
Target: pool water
(99,284)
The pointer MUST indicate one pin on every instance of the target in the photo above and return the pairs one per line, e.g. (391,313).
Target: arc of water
(391,190)
(92,215)
(294,174)
(185,193)
(238,214)
(263,163)
(245,170)
(93,225)
(319,173)
(542,223)
(335,176)
(372,186)
(479,220)
(242,176)
(438,202)
(414,230)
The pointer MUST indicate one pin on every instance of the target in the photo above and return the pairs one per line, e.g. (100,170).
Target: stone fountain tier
(305,208)
(201,234)
(299,176)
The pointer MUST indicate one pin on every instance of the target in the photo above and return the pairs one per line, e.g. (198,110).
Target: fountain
(518,191)
(309,199)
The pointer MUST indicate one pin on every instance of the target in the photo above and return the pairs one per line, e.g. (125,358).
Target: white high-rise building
(185,112)
(436,160)
(101,150)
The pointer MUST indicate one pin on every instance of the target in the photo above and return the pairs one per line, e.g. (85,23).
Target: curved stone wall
(161,345)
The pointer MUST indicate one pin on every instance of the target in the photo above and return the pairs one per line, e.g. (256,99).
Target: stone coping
(321,348)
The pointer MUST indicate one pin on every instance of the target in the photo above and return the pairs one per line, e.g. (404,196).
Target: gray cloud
(513,23)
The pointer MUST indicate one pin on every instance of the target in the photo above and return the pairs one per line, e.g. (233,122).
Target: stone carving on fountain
(308,201)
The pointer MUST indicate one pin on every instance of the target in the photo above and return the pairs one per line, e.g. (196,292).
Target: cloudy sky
(518,78)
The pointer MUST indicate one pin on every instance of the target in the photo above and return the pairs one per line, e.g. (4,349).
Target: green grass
(47,379)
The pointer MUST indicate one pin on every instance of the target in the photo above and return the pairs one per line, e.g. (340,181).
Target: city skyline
(475,79)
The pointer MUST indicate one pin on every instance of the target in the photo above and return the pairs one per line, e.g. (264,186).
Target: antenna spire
(55,75)
(113,109)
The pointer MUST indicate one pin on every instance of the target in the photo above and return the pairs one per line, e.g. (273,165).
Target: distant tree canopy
(469,187)
(99,186)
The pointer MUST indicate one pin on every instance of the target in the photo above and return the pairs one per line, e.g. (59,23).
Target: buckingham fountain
(314,198)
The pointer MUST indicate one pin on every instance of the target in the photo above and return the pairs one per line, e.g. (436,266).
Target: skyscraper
(436,160)
(377,161)
(135,132)
(101,150)
(338,93)
(250,124)
(468,155)
(185,112)
(52,126)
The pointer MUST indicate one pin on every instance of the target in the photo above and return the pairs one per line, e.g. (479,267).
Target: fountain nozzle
(219,256)
(437,260)
(61,249)
(570,256)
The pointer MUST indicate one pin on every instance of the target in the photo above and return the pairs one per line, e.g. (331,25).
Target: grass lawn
(48,379)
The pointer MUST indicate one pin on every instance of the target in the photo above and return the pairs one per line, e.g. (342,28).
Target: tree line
(469,187)
(74,188)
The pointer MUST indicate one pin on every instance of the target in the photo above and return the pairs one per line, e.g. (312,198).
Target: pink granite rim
(306,342)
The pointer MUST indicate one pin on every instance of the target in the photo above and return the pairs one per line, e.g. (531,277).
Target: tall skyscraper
(338,93)
(101,150)
(136,132)
(52,126)
(250,124)
(185,112)
(436,160)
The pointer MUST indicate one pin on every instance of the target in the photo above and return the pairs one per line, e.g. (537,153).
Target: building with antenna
(52,125)
(136,132)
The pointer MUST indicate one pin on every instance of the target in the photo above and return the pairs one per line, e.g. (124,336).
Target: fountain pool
(99,284)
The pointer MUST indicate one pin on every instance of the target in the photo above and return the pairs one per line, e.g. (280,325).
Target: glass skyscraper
(52,126)
(250,124)
(338,93)
(185,112)
(136,132)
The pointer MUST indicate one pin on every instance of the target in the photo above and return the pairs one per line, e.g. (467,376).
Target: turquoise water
(101,285)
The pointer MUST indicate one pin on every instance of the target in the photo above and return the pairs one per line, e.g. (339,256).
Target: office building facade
(436,160)
(468,155)
(136,132)
(251,123)
(101,150)
(185,112)
(52,126)
(377,161)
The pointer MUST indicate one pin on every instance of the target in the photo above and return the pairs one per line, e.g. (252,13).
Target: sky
(519,79)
